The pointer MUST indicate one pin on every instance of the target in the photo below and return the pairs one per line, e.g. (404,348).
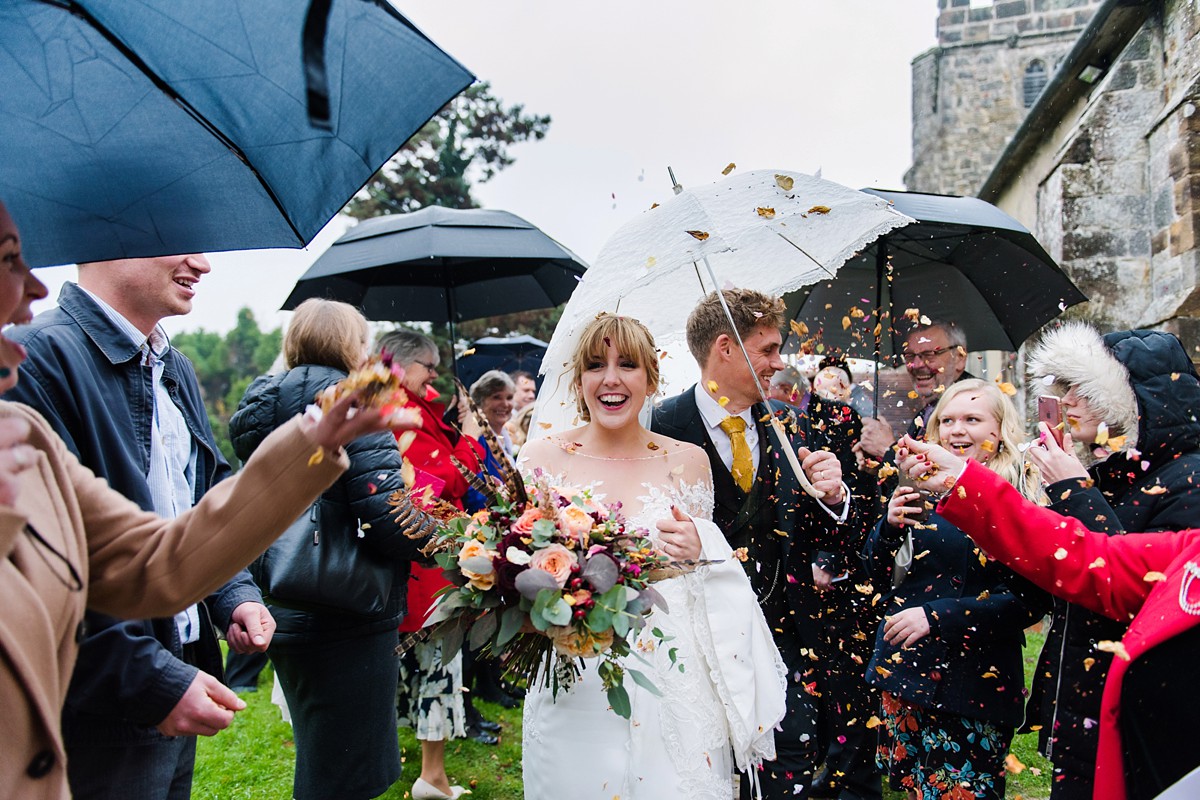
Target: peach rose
(575,522)
(581,643)
(555,559)
(524,525)
(481,581)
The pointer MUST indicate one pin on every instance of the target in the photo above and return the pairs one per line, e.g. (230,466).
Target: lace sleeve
(696,499)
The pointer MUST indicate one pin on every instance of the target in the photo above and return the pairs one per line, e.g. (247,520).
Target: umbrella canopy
(442,265)
(507,353)
(769,230)
(965,261)
(146,128)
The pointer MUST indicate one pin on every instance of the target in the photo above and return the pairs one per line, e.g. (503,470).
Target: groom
(791,538)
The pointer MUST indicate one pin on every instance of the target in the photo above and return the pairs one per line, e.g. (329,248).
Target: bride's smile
(612,387)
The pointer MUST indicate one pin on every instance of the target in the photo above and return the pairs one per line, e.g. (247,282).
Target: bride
(723,691)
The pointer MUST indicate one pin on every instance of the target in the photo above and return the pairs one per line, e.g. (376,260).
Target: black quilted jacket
(362,491)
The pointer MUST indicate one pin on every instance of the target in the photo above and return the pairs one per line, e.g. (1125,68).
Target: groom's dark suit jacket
(807,533)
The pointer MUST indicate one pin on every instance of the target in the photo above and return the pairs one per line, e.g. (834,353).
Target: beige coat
(133,564)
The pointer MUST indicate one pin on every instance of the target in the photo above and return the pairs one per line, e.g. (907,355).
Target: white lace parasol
(770,230)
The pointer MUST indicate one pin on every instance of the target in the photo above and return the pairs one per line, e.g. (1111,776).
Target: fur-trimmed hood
(1143,380)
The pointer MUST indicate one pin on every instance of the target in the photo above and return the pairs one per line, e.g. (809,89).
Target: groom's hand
(679,537)
(824,472)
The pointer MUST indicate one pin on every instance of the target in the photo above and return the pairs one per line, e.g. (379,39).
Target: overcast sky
(635,87)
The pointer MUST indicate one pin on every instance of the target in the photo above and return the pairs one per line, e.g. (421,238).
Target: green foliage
(465,143)
(226,364)
(254,759)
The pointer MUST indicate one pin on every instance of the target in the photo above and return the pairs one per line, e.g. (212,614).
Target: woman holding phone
(948,653)
(1129,463)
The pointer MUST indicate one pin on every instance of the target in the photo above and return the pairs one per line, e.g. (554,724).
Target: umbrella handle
(790,452)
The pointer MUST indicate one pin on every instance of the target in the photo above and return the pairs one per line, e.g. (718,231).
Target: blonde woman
(948,653)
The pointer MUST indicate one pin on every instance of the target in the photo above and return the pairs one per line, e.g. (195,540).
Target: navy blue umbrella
(442,265)
(158,126)
(505,353)
(964,260)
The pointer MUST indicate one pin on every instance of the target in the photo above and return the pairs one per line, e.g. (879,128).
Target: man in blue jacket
(101,370)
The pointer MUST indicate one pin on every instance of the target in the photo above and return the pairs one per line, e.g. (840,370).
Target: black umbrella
(964,260)
(160,126)
(505,353)
(442,265)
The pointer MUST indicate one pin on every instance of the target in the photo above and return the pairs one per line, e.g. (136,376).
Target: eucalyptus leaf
(613,599)
(656,598)
(620,624)
(446,560)
(638,604)
(641,680)
(480,565)
(601,572)
(532,581)
(599,619)
(452,641)
(510,625)
(558,612)
(481,631)
(618,698)
(538,613)
(543,530)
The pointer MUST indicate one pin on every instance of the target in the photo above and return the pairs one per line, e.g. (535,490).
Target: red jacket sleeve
(1104,573)
(430,452)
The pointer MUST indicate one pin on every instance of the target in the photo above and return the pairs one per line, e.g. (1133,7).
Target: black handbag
(319,564)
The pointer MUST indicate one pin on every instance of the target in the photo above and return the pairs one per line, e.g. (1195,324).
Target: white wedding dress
(717,713)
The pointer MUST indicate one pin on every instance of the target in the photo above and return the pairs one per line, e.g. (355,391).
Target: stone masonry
(969,91)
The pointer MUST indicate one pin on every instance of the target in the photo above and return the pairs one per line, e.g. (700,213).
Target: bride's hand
(679,537)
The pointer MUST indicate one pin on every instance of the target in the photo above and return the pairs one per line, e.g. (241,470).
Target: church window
(1035,81)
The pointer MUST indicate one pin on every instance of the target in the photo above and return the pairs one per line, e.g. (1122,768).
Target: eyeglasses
(432,367)
(926,355)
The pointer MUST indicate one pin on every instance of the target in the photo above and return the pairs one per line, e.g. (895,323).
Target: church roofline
(1100,43)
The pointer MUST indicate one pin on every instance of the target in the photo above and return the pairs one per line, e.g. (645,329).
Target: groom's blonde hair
(631,339)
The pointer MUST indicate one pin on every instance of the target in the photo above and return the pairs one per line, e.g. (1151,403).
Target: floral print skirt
(939,755)
(429,696)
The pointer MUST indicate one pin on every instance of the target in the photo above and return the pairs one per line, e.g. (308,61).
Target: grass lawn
(253,760)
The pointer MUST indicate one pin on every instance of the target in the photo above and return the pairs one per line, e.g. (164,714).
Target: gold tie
(743,463)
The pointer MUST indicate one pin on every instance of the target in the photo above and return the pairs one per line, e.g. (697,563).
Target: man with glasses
(935,356)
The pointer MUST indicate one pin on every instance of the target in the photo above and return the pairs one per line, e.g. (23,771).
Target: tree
(465,143)
(225,366)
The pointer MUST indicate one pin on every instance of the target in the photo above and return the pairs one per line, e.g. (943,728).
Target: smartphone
(924,502)
(1050,412)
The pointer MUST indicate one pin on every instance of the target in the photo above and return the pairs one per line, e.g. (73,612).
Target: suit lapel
(681,420)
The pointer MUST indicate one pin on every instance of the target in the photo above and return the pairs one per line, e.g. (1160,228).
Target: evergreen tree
(464,144)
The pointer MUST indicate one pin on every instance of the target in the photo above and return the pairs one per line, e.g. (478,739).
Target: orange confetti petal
(1013,764)
(730,167)
(1116,648)
(701,235)
(784,182)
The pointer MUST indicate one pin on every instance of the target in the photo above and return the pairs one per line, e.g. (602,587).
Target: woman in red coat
(1150,705)
(431,693)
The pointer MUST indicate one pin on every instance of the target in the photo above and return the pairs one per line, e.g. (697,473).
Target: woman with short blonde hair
(328,333)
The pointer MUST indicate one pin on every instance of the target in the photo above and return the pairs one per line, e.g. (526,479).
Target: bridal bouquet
(549,573)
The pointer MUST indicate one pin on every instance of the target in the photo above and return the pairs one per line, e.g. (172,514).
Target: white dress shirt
(173,456)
